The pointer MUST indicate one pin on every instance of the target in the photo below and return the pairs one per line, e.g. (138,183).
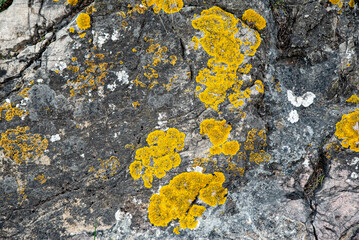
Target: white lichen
(122,77)
(305,100)
(293,116)
(55,138)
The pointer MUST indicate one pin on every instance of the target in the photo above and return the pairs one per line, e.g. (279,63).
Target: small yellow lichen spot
(259,86)
(252,16)
(259,157)
(121,62)
(198,88)
(176,200)
(72,2)
(83,21)
(351,3)
(82,35)
(100,56)
(176,230)
(91,169)
(124,23)
(134,50)
(231,148)
(217,131)
(11,111)
(90,10)
(173,59)
(74,59)
(353,99)
(135,104)
(335,2)
(57,71)
(348,130)
(72,30)
(41,178)
(23,93)
(107,169)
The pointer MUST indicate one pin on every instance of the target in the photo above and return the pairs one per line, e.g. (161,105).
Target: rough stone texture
(307,190)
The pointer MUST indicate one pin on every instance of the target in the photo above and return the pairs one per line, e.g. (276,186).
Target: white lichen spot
(101,92)
(112,106)
(112,87)
(305,100)
(82,155)
(101,39)
(40,80)
(122,77)
(195,169)
(7,100)
(115,35)
(306,162)
(293,116)
(55,138)
(354,175)
(61,66)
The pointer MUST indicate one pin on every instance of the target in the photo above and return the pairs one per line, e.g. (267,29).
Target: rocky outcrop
(78,103)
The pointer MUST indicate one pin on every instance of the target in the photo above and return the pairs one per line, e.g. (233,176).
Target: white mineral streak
(293,116)
(305,100)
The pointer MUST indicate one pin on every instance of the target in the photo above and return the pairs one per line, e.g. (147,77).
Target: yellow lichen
(71,30)
(168,6)
(259,86)
(10,111)
(23,93)
(173,59)
(259,157)
(351,3)
(82,35)
(348,130)
(252,16)
(353,99)
(41,178)
(21,146)
(83,21)
(217,131)
(135,104)
(222,42)
(107,169)
(177,200)
(72,2)
(230,148)
(159,157)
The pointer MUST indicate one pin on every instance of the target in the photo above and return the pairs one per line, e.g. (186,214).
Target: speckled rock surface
(96,97)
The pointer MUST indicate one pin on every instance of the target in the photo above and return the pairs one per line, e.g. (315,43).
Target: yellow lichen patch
(173,59)
(259,157)
(90,10)
(107,169)
(72,2)
(135,104)
(222,41)
(24,93)
(83,21)
(253,17)
(178,199)
(89,80)
(159,157)
(21,146)
(10,111)
(259,86)
(71,30)
(168,6)
(348,130)
(353,99)
(230,148)
(41,178)
(82,35)
(351,3)
(74,59)
(217,131)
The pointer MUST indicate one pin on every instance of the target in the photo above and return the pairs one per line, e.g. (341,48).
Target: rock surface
(307,61)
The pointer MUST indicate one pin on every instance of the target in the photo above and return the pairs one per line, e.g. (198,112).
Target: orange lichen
(168,6)
(222,42)
(83,21)
(178,199)
(353,99)
(253,17)
(159,157)
(348,130)
(11,111)
(107,169)
(21,146)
